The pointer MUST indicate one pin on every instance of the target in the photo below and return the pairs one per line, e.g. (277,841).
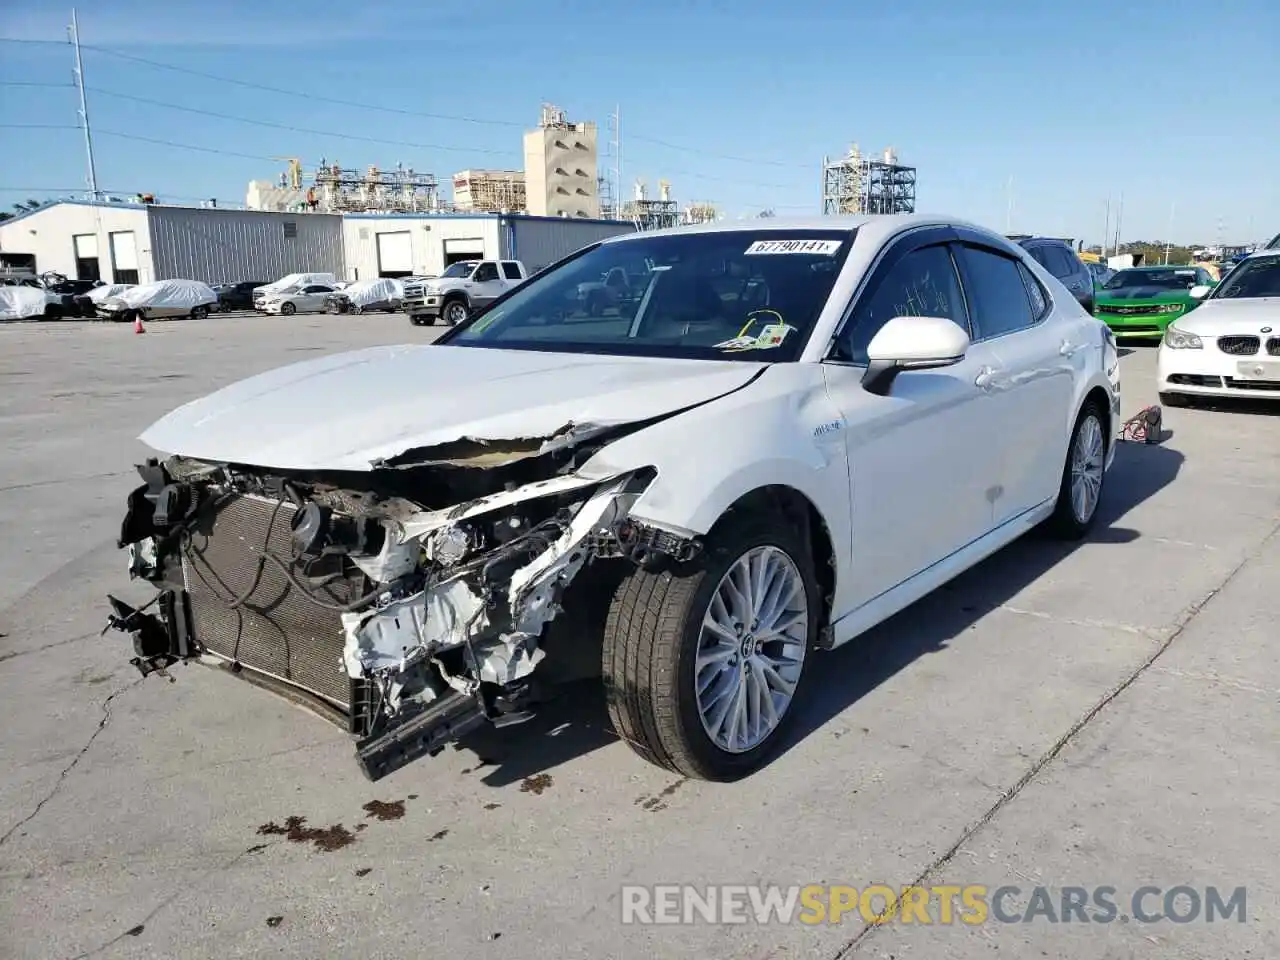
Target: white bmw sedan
(790,432)
(1229,346)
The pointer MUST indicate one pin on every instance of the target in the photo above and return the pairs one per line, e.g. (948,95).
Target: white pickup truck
(462,288)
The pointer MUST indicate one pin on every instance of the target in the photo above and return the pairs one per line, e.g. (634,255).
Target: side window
(922,284)
(1058,262)
(511,270)
(1040,256)
(485,272)
(1035,293)
(998,299)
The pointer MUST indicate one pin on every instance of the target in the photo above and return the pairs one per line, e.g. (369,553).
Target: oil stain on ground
(295,829)
(536,784)
(659,800)
(384,810)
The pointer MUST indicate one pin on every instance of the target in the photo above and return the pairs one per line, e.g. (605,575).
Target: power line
(487,121)
(284,126)
(298,93)
(33,83)
(180,146)
(39,126)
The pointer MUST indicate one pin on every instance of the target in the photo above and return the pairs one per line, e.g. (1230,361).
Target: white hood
(1217,318)
(352,410)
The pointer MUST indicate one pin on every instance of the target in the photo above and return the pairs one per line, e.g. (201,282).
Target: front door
(486,285)
(920,459)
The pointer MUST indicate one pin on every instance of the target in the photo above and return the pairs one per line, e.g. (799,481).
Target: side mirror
(1199,291)
(912,343)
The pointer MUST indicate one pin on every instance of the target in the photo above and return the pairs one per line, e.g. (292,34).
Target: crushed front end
(408,603)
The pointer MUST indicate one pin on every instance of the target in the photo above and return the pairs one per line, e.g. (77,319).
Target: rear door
(1032,385)
(312,297)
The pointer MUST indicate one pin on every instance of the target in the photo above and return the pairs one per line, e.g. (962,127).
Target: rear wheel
(1082,477)
(702,664)
(200,312)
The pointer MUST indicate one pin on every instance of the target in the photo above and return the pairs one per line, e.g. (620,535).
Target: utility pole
(1173,205)
(1106,228)
(84,106)
(617,134)
(1008,211)
(1119,216)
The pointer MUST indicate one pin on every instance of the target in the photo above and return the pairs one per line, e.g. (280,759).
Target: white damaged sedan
(792,431)
(1229,346)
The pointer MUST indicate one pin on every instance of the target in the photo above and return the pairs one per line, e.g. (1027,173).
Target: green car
(1142,301)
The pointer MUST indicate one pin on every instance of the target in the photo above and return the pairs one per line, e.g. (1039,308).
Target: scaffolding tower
(856,183)
(649,214)
(489,191)
(345,190)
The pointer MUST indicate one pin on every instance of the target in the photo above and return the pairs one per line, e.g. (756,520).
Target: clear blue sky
(1174,104)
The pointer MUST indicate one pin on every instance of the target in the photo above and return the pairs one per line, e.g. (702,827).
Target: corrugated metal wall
(538,243)
(228,245)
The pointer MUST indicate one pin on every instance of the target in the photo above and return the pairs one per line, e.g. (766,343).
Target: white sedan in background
(308,298)
(796,430)
(1229,346)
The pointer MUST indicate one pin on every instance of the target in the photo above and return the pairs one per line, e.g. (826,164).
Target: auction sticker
(821,248)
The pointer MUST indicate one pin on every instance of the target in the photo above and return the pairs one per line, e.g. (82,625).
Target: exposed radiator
(276,631)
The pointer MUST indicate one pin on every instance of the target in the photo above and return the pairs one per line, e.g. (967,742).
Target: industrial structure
(857,183)
(489,191)
(649,214)
(561,162)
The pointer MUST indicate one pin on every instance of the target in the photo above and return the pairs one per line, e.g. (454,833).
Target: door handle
(985,379)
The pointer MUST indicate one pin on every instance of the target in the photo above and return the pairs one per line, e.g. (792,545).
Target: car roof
(1265,252)
(877,227)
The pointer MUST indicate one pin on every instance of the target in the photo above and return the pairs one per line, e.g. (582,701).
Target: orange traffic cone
(137,324)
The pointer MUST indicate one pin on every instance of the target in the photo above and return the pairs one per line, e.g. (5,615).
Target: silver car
(305,299)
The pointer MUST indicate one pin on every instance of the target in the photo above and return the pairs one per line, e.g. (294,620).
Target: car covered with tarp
(22,303)
(162,300)
(366,296)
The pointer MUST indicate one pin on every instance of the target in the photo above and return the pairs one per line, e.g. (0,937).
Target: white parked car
(162,300)
(308,298)
(798,429)
(1229,346)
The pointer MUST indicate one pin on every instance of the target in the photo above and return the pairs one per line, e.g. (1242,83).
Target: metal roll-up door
(395,254)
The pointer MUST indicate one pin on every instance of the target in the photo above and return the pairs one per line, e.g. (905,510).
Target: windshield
(723,295)
(1160,279)
(1255,277)
(462,268)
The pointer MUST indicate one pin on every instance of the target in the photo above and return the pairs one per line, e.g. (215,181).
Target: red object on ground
(137,325)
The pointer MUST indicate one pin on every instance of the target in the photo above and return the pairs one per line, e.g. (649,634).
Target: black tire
(1176,400)
(200,312)
(651,638)
(1065,524)
(287,309)
(449,312)
(418,321)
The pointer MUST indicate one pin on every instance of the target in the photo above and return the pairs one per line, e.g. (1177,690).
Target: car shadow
(1140,471)
(576,723)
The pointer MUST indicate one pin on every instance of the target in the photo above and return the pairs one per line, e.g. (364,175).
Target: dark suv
(1058,257)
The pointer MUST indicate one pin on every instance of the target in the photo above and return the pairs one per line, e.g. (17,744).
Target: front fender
(777,431)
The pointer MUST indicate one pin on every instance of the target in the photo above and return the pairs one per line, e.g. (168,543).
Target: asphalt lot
(1104,715)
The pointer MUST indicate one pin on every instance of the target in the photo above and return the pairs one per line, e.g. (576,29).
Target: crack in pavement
(102,725)
(1179,626)
(5,657)
(45,483)
(140,926)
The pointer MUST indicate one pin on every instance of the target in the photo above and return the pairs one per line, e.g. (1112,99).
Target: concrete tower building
(560,167)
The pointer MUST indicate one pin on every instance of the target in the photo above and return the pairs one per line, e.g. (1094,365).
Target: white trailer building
(137,243)
(398,245)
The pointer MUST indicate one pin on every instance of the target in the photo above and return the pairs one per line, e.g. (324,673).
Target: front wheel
(1083,474)
(288,309)
(702,664)
(455,312)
